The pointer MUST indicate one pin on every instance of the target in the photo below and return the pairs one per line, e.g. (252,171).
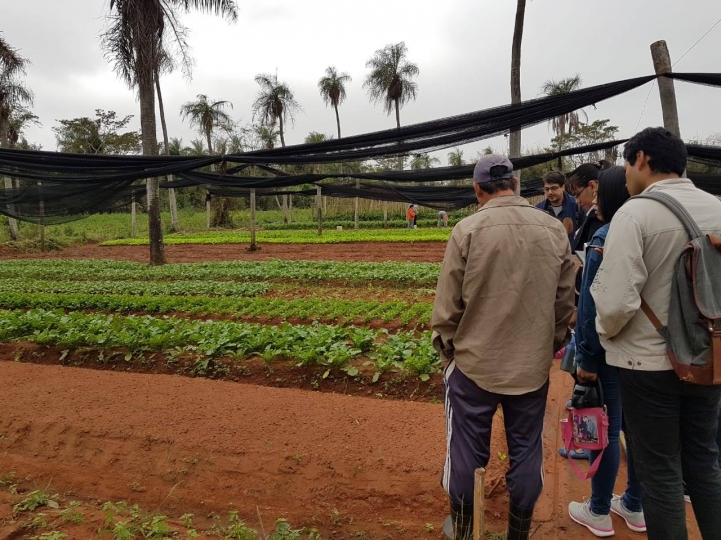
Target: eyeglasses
(552,188)
(577,193)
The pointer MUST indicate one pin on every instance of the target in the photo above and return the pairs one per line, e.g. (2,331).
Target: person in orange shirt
(411,216)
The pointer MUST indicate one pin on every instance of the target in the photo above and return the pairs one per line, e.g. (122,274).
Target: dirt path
(346,465)
(360,251)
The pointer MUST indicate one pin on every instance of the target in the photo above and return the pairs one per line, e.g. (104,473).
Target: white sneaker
(601,526)
(635,520)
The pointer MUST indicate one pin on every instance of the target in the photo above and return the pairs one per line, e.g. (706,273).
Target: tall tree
(332,90)
(207,116)
(13,94)
(275,104)
(167,65)
(423,161)
(10,60)
(19,119)
(104,134)
(567,123)
(455,158)
(391,79)
(514,143)
(134,40)
(390,82)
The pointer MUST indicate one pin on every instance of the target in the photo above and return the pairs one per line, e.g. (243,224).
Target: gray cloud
(461,46)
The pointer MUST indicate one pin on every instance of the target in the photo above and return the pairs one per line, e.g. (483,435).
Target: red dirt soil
(358,251)
(346,465)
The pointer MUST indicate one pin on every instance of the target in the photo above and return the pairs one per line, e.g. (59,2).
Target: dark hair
(666,152)
(580,177)
(555,177)
(612,192)
(497,185)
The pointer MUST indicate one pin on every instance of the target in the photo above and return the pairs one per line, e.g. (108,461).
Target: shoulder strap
(678,210)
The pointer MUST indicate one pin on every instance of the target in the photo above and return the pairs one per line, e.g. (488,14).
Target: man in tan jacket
(672,425)
(503,304)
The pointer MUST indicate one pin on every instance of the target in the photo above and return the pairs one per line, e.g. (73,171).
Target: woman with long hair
(594,513)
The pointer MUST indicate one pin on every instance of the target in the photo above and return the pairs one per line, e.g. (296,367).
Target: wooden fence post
(662,64)
(253,246)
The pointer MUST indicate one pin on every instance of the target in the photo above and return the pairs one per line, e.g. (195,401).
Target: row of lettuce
(317,344)
(401,273)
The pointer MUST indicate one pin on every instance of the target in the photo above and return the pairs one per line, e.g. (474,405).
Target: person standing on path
(503,303)
(595,513)
(673,425)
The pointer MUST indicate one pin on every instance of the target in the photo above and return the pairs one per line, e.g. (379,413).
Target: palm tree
(13,94)
(135,39)
(207,116)
(390,80)
(275,103)
(332,90)
(568,123)
(19,119)
(267,136)
(423,161)
(514,142)
(455,158)
(10,61)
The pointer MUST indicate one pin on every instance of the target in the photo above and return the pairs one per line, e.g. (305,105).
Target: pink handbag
(586,429)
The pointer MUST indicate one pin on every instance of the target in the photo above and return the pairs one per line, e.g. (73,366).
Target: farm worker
(442,219)
(502,308)
(673,424)
(411,216)
(415,216)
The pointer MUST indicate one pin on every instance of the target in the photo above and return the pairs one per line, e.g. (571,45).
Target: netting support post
(357,207)
(662,64)
(41,207)
(385,214)
(318,200)
(133,217)
(253,246)
(207,212)
(290,208)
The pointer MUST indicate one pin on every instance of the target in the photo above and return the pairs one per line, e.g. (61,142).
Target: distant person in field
(558,203)
(442,219)
(502,308)
(411,216)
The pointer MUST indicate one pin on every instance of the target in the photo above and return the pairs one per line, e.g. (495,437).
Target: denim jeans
(410,223)
(672,430)
(604,480)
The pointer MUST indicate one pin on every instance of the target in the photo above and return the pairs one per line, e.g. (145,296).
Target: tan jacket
(505,296)
(642,247)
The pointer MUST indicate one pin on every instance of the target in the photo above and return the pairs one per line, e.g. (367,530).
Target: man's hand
(585,376)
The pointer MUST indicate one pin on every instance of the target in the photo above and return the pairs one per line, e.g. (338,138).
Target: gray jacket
(643,245)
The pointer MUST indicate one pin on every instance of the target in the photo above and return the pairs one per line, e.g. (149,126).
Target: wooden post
(133,217)
(479,504)
(318,197)
(357,207)
(253,246)
(385,214)
(207,211)
(662,64)
(41,206)
(173,203)
(290,208)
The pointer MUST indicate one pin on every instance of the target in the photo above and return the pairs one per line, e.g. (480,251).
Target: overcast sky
(462,48)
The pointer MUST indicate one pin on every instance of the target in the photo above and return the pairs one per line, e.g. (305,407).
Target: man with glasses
(558,203)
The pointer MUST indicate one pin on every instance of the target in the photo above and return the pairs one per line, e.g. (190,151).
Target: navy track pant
(469,416)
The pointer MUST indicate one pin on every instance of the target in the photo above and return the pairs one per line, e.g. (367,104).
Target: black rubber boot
(459,525)
(519,522)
